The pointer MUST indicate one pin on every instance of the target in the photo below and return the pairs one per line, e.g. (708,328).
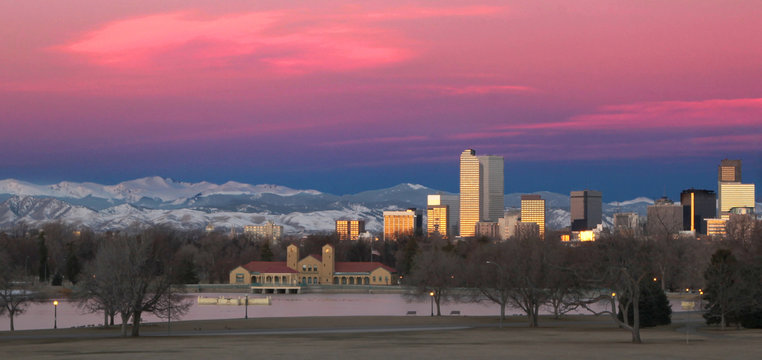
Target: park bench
(455,312)
(411,312)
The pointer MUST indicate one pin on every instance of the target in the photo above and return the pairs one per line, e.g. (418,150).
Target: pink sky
(369,82)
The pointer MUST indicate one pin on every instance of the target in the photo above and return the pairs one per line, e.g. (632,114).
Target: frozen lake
(40,315)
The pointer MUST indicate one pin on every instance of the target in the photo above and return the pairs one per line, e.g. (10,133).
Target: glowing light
(431,293)
(587,235)
(55,302)
(613,294)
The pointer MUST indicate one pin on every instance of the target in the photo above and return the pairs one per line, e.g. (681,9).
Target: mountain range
(157,200)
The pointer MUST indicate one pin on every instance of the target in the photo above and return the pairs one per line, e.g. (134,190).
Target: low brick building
(313,269)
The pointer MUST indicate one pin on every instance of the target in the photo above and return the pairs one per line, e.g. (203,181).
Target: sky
(633,98)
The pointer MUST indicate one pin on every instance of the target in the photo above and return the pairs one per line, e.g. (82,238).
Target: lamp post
(500,268)
(55,314)
(431,295)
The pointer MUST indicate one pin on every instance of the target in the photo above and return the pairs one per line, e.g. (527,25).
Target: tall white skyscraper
(481,190)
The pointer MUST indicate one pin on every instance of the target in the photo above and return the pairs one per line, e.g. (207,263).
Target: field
(578,337)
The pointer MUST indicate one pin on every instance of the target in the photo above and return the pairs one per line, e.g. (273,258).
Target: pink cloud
(285,40)
(419,12)
(484,89)
(714,113)
(485,135)
(380,140)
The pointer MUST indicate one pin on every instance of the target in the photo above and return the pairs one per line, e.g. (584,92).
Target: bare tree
(486,273)
(16,290)
(128,276)
(624,262)
(438,272)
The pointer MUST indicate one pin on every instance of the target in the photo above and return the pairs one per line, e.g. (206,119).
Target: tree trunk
(437,301)
(105,318)
(125,320)
(636,319)
(11,316)
(111,318)
(502,311)
(722,321)
(136,324)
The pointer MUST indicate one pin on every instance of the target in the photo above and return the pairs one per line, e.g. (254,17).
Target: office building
(268,231)
(735,195)
(443,214)
(697,206)
(481,190)
(349,229)
(402,223)
(715,227)
(628,221)
(507,224)
(586,209)
(533,211)
(488,229)
(664,217)
(729,171)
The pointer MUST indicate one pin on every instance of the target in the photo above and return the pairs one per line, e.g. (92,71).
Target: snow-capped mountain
(156,200)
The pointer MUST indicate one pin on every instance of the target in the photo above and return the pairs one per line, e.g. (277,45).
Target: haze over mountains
(156,200)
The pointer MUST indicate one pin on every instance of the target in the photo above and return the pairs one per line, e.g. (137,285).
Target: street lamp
(431,295)
(500,268)
(55,314)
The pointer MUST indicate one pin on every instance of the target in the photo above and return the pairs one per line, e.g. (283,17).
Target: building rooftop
(269,267)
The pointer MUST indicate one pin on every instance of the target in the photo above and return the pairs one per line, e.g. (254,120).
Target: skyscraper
(442,214)
(533,211)
(402,223)
(698,205)
(731,192)
(481,190)
(470,194)
(586,209)
(492,187)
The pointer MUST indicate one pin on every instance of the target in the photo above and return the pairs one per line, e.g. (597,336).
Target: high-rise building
(482,190)
(437,223)
(628,220)
(268,231)
(507,224)
(533,211)
(470,194)
(697,206)
(664,217)
(716,227)
(735,195)
(729,171)
(586,209)
(492,187)
(488,229)
(443,214)
(731,193)
(402,223)
(349,229)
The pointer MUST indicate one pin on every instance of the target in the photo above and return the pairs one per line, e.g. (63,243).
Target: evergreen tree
(654,306)
(43,270)
(266,254)
(73,267)
(186,273)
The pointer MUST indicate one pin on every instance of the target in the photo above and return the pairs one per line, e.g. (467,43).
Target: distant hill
(156,200)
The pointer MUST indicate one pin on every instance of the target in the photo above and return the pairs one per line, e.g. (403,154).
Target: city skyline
(632,99)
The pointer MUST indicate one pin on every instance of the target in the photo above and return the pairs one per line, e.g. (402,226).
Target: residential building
(533,211)
(697,206)
(349,229)
(268,231)
(442,214)
(315,269)
(586,209)
(481,190)
(664,217)
(402,223)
